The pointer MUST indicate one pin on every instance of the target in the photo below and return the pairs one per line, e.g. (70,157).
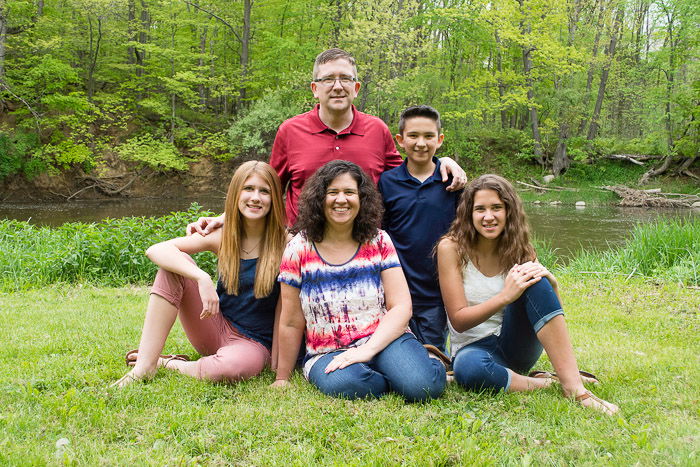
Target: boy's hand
(280,383)
(450,167)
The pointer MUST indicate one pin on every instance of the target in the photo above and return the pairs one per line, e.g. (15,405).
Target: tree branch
(223,21)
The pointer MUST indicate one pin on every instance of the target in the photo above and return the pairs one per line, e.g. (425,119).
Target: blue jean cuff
(505,389)
(546,319)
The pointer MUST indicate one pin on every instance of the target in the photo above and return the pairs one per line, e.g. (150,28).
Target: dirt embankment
(120,180)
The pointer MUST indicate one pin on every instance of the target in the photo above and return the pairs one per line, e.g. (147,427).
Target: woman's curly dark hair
(312,219)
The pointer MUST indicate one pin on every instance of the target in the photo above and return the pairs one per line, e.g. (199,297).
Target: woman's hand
(355,355)
(209,297)
(519,278)
(280,383)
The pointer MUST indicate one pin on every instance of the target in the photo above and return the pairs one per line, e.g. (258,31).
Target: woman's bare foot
(129,378)
(590,400)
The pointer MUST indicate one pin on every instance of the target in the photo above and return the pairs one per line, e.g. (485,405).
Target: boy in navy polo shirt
(418,211)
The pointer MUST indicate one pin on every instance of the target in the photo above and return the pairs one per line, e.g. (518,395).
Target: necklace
(247,252)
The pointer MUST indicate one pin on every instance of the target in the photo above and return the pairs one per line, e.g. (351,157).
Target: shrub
(254,133)
(109,253)
(157,154)
(14,153)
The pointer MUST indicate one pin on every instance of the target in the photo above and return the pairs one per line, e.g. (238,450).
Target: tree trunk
(202,50)
(93,57)
(3,37)
(561,160)
(499,80)
(142,39)
(337,18)
(245,48)
(527,69)
(130,31)
(591,69)
(593,128)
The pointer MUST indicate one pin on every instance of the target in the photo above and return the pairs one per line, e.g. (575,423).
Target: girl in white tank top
(503,306)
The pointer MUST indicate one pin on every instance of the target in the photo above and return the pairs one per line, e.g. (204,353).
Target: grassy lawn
(63,345)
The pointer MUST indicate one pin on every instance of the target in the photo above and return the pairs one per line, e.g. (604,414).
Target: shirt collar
(405,175)
(357,126)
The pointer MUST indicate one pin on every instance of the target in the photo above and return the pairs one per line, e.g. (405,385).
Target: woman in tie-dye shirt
(342,283)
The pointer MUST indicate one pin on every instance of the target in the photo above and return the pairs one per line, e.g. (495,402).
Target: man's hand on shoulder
(449,167)
(205,225)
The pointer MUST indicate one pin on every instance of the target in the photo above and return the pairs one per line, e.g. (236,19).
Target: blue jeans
(483,364)
(403,367)
(429,325)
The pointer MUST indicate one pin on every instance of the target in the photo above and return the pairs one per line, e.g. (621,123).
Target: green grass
(668,250)
(110,252)
(65,344)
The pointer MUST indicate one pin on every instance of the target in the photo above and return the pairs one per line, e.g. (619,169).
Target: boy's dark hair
(331,55)
(312,218)
(419,111)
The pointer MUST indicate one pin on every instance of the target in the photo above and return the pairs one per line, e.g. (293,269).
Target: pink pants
(229,356)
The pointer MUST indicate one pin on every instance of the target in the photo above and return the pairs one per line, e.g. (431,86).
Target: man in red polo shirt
(334,129)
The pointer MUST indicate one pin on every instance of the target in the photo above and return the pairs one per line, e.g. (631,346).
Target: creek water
(567,228)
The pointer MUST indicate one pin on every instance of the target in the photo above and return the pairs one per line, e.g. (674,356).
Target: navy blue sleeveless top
(252,317)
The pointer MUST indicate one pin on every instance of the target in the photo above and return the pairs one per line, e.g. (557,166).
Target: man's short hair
(331,55)
(419,111)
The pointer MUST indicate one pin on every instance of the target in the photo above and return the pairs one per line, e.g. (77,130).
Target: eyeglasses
(329,81)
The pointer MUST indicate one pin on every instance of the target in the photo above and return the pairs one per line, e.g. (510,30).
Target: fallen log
(544,188)
(643,198)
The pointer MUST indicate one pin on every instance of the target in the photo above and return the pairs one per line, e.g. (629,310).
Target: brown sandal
(132,362)
(547,374)
(438,353)
(165,359)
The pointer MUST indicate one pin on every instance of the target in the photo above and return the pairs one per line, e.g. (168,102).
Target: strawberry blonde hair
(514,245)
(274,238)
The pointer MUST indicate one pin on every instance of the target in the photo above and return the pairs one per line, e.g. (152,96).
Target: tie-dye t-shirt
(342,303)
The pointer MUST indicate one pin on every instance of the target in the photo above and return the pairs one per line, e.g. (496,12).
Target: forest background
(116,90)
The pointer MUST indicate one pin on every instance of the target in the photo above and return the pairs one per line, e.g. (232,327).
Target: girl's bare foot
(586,378)
(590,400)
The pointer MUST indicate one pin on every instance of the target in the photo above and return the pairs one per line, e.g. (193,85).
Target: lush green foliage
(151,152)
(66,345)
(110,252)
(668,251)
(86,76)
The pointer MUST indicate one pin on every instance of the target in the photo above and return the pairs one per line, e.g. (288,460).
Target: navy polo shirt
(416,216)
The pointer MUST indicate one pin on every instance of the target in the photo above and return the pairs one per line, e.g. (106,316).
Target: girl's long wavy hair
(514,245)
(312,218)
(274,238)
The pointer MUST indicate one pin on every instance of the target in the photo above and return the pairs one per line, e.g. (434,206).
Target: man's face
(336,98)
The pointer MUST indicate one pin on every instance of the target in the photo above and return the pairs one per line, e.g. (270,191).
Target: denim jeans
(483,364)
(403,367)
(429,325)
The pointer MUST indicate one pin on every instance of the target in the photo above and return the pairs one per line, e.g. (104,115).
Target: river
(567,228)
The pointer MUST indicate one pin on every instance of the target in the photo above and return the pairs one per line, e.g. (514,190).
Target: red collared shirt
(304,143)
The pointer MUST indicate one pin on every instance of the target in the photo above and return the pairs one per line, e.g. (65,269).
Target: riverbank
(66,344)
(206,176)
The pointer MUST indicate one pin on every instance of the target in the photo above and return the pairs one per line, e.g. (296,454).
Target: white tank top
(478,289)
